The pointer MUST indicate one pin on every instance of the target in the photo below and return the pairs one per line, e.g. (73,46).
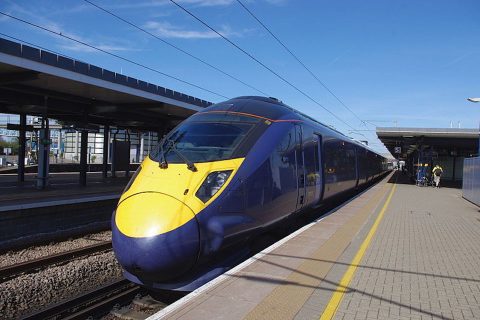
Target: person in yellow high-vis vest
(437,173)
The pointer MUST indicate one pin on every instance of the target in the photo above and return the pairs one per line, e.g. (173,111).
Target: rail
(13,270)
(95,303)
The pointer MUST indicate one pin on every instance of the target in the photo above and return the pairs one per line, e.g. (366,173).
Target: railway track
(95,303)
(11,271)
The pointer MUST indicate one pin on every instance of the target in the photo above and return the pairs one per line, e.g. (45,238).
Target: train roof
(274,109)
(266,107)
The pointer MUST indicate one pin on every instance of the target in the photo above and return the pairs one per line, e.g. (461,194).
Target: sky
(404,63)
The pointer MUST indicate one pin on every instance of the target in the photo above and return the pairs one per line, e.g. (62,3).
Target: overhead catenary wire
(112,54)
(175,47)
(260,63)
(299,61)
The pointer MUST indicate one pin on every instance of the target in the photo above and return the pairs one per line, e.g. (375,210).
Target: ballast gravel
(12,257)
(30,292)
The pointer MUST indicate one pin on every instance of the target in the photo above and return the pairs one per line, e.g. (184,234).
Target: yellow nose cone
(151,213)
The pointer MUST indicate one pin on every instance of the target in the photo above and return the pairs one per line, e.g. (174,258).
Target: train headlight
(212,184)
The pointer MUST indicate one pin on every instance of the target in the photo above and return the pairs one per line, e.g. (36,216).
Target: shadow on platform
(337,285)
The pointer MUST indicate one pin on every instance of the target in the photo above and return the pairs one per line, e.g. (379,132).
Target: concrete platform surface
(396,251)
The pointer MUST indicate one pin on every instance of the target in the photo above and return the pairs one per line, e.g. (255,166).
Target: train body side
(291,164)
(293,167)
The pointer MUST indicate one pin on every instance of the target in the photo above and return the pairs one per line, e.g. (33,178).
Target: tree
(11,143)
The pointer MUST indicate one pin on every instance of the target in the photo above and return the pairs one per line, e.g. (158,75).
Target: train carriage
(221,178)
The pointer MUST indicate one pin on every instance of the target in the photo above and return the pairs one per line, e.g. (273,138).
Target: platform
(396,251)
(64,209)
(62,186)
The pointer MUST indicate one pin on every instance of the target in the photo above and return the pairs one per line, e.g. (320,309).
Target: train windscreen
(204,137)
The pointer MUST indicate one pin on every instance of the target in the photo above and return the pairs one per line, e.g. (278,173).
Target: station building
(423,148)
(87,100)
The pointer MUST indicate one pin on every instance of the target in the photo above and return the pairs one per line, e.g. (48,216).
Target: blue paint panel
(159,257)
(169,93)
(199,276)
(31,53)
(10,47)
(65,63)
(108,75)
(81,67)
(95,72)
(49,58)
(218,228)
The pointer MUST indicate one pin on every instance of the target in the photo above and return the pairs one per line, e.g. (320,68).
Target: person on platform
(437,173)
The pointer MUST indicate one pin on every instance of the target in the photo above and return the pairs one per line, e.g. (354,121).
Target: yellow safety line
(334,302)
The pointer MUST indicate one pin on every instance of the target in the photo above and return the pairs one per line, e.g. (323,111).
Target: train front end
(157,230)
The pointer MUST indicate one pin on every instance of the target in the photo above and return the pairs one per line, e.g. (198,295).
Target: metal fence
(471,180)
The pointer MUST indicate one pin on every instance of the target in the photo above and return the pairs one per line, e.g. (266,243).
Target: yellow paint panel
(176,183)
(150,213)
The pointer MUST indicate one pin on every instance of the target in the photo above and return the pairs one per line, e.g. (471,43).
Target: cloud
(75,46)
(207,3)
(167,30)
(106,44)
(109,45)
(160,3)
(458,59)
(339,56)
(81,48)
(277,2)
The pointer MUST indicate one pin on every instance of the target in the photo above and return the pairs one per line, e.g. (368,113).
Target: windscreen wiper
(162,160)
(190,164)
(162,163)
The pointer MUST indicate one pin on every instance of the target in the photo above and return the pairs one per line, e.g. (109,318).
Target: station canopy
(39,83)
(401,142)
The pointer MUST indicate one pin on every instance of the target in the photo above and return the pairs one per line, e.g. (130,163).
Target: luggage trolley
(423,177)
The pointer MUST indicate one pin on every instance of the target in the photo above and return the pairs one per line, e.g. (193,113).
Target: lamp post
(476,100)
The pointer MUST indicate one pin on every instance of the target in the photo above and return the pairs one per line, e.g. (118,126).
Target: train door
(299,156)
(357,165)
(311,158)
(318,168)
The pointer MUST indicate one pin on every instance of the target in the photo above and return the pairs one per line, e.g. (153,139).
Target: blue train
(221,178)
